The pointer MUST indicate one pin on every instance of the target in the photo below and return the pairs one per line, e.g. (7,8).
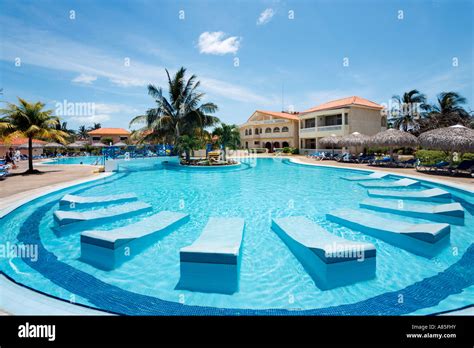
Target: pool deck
(18,189)
(464,181)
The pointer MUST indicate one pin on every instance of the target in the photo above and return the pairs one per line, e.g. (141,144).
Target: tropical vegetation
(31,121)
(228,135)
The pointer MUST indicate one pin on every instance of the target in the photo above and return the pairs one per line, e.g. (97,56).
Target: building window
(256,142)
(346,119)
(333,120)
(276,130)
(310,123)
(123,138)
(383,121)
(250,131)
(95,138)
(310,143)
(285,129)
(268,130)
(246,132)
(256,131)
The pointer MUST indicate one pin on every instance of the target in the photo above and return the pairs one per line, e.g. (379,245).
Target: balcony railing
(321,129)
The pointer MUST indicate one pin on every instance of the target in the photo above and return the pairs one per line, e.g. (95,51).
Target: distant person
(9,157)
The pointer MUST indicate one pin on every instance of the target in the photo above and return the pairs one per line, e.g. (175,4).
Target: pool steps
(424,239)
(63,217)
(449,212)
(405,182)
(109,249)
(71,202)
(330,260)
(212,262)
(434,194)
(373,176)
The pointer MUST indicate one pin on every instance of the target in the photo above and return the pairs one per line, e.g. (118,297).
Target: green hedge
(433,156)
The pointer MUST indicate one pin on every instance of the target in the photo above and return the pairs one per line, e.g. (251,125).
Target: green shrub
(295,151)
(287,150)
(431,156)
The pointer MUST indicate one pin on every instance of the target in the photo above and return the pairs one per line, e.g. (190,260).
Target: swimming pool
(90,160)
(272,280)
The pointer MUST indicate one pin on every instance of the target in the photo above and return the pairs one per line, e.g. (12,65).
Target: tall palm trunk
(30,154)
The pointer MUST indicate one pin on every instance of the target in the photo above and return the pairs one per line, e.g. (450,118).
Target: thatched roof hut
(332,140)
(455,138)
(394,138)
(354,139)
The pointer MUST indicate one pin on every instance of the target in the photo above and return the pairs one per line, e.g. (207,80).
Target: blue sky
(83,59)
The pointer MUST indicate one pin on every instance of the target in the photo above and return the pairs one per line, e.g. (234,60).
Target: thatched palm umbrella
(75,145)
(54,145)
(393,138)
(33,145)
(120,144)
(99,145)
(449,139)
(331,140)
(354,139)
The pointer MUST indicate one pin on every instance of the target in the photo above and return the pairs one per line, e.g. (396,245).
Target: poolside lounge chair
(448,212)
(74,202)
(441,165)
(425,239)
(372,176)
(434,194)
(399,183)
(67,221)
(465,166)
(212,262)
(330,260)
(109,249)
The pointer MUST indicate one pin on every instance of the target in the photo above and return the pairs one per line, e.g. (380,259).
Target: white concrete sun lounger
(73,201)
(330,260)
(434,194)
(63,218)
(399,183)
(449,212)
(373,176)
(416,238)
(212,262)
(106,249)
(220,242)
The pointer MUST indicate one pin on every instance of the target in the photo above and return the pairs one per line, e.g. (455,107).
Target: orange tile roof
(109,131)
(280,114)
(349,101)
(20,141)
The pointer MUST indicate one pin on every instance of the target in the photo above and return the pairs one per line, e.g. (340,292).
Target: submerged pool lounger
(425,239)
(330,260)
(449,212)
(373,176)
(109,249)
(72,201)
(434,194)
(212,262)
(399,183)
(63,218)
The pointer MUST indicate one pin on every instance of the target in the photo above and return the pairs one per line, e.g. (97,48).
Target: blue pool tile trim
(423,294)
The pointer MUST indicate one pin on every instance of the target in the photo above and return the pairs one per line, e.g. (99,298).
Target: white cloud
(216,43)
(84,78)
(97,118)
(266,16)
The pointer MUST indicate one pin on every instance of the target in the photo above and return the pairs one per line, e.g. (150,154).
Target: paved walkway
(51,174)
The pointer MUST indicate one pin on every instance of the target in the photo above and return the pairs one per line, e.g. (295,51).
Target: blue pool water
(270,276)
(75,160)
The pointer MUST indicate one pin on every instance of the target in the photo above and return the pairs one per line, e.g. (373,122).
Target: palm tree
(406,113)
(229,136)
(179,115)
(71,133)
(187,144)
(29,120)
(447,112)
(83,132)
(95,126)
